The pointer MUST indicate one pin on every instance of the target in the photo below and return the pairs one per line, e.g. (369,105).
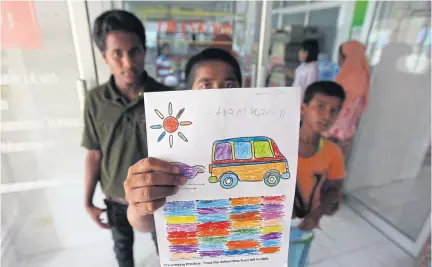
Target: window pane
(293,3)
(326,22)
(293,19)
(275,21)
(243,150)
(262,149)
(223,151)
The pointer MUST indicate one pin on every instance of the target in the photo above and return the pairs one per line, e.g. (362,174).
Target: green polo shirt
(116,126)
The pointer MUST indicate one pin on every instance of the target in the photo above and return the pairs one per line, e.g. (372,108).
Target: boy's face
(214,75)
(321,112)
(124,54)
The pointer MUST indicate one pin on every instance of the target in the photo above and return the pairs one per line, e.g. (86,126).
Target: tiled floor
(404,203)
(347,241)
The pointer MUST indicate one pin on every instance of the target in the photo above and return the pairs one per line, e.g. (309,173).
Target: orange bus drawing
(251,159)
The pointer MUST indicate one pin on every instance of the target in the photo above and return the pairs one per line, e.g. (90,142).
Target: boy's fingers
(154,178)
(153,165)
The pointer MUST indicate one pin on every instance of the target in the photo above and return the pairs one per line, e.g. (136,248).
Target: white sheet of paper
(239,148)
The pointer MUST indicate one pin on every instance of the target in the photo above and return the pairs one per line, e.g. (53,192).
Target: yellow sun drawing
(171,124)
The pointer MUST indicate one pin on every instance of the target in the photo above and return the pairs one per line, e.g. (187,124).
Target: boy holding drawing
(320,169)
(151,180)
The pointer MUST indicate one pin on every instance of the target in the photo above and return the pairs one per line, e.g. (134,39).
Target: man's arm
(91,176)
(331,193)
(93,158)
(329,204)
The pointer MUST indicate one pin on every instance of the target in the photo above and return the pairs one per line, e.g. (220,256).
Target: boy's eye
(117,53)
(205,86)
(230,85)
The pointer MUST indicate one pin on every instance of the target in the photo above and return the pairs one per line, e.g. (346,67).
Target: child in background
(307,72)
(320,170)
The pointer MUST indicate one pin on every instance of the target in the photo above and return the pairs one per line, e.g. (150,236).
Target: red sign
(194,27)
(19,25)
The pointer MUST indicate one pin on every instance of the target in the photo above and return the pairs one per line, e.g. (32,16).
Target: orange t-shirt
(312,172)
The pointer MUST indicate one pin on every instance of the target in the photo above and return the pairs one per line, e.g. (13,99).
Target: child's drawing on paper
(224,227)
(189,172)
(231,195)
(247,159)
(170,125)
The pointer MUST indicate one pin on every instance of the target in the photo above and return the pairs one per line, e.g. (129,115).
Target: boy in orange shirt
(320,170)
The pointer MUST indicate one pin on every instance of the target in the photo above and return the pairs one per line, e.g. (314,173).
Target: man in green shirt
(114,123)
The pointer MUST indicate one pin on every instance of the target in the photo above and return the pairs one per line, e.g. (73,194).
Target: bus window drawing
(187,171)
(251,159)
(170,124)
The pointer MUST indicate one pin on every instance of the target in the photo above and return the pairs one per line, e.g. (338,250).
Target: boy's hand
(311,221)
(149,182)
(332,208)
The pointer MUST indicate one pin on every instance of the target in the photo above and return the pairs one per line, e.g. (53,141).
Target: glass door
(42,164)
(389,178)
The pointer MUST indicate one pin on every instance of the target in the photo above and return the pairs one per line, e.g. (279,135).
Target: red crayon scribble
(213,225)
(215,232)
(232,245)
(183,241)
(248,216)
(181,234)
(269,250)
(276,199)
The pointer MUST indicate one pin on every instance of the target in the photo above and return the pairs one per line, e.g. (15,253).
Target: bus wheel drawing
(228,180)
(272,178)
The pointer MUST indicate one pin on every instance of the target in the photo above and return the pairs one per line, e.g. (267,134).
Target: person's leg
(122,233)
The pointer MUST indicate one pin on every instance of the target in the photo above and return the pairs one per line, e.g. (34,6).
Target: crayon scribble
(224,227)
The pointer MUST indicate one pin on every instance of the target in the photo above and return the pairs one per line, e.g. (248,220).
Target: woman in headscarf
(355,79)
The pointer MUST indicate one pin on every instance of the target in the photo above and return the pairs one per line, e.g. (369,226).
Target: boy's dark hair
(311,46)
(328,88)
(211,54)
(116,20)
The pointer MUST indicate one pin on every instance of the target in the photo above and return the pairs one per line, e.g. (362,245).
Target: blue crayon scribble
(243,209)
(271,243)
(212,218)
(180,212)
(176,205)
(243,237)
(220,203)
(210,246)
(241,252)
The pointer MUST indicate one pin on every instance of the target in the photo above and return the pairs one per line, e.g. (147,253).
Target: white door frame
(264,42)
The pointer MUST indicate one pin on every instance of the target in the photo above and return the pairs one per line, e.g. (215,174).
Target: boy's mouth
(323,124)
